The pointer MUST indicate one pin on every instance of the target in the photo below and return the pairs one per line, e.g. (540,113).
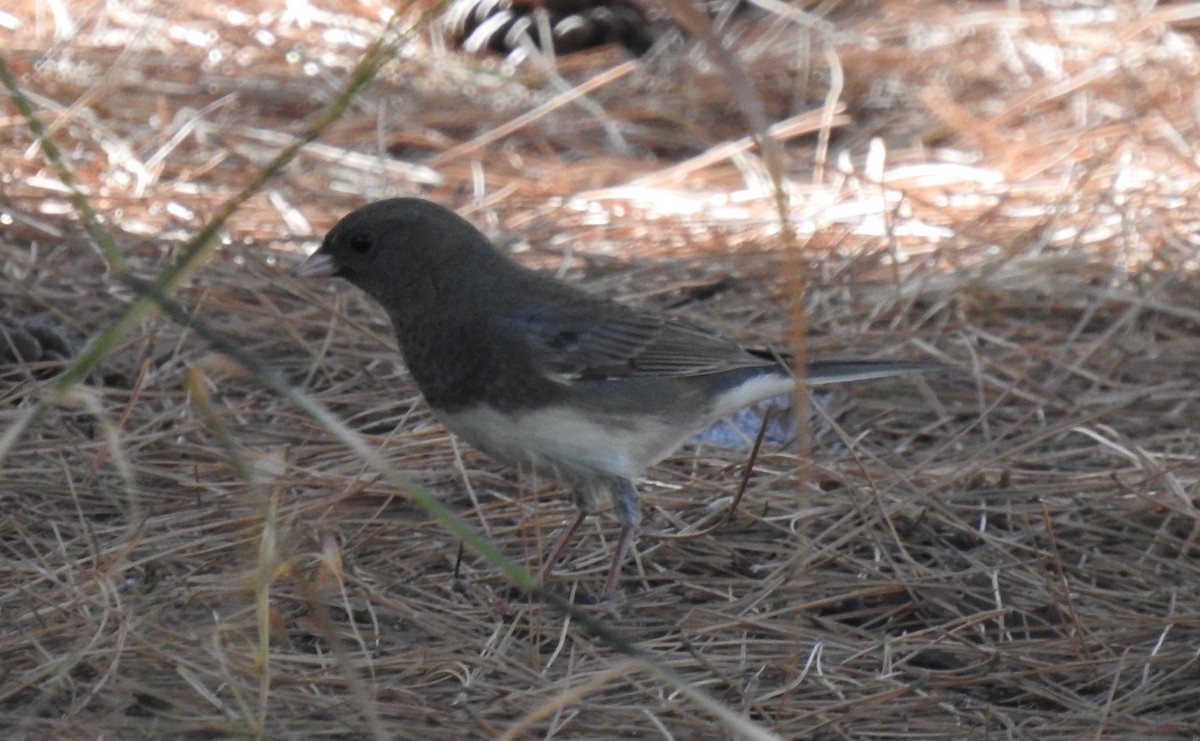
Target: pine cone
(496,26)
(35,340)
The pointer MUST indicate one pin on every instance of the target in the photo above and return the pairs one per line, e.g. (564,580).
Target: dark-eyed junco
(533,371)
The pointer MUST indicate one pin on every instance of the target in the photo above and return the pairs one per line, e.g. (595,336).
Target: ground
(1006,549)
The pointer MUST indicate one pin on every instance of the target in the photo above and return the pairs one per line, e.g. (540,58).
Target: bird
(533,371)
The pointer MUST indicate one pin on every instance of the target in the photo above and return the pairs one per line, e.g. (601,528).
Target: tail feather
(841,371)
(822,372)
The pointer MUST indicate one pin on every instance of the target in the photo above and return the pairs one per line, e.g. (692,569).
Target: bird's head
(406,253)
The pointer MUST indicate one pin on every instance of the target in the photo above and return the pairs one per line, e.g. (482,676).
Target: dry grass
(1009,551)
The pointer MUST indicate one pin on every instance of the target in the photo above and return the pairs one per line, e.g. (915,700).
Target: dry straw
(1008,551)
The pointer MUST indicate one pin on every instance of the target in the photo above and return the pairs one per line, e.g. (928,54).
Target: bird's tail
(840,371)
(821,372)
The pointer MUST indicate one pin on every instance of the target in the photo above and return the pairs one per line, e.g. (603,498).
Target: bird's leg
(629,513)
(623,541)
(560,547)
(625,501)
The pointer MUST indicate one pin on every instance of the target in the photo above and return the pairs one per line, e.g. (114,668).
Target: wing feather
(597,339)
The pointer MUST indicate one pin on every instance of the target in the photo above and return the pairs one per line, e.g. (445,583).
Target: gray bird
(533,371)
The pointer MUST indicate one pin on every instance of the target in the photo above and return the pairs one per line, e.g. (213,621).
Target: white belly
(560,439)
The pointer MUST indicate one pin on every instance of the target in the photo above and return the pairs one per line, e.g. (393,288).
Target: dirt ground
(1008,549)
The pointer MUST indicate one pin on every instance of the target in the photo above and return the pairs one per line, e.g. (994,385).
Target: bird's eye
(361,242)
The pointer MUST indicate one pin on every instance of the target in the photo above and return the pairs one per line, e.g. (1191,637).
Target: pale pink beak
(318,265)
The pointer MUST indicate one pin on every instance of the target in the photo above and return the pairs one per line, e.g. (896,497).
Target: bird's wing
(602,339)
